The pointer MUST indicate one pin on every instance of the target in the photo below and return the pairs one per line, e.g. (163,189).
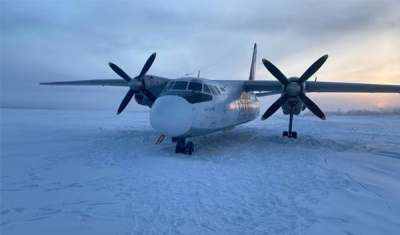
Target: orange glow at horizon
(352,59)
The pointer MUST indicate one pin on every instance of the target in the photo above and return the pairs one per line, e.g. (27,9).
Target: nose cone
(171,115)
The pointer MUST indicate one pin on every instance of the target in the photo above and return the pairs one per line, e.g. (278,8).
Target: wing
(258,85)
(276,86)
(262,94)
(94,82)
(351,87)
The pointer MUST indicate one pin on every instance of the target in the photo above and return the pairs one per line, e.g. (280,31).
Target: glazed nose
(171,116)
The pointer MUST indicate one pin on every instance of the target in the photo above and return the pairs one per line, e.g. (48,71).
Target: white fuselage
(174,116)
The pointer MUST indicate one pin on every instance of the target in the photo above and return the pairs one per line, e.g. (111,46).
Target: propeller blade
(120,72)
(313,69)
(125,101)
(275,72)
(312,106)
(275,106)
(147,65)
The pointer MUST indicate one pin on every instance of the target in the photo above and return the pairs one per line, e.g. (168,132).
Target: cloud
(68,40)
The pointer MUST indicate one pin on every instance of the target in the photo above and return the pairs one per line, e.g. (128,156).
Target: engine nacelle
(294,105)
(154,84)
(142,100)
(151,84)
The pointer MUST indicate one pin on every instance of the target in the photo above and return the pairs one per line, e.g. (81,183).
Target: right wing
(94,82)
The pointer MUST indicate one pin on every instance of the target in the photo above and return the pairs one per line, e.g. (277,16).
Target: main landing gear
(290,134)
(181,147)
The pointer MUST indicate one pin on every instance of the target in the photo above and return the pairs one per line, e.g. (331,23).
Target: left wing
(258,85)
(262,94)
(351,87)
(94,82)
(276,86)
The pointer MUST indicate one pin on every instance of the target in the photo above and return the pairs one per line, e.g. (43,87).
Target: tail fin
(253,63)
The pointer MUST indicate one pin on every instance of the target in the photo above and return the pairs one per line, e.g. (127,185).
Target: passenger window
(213,90)
(180,86)
(216,88)
(206,89)
(195,86)
(169,85)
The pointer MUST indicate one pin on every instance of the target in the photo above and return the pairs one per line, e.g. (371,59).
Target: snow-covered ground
(92,172)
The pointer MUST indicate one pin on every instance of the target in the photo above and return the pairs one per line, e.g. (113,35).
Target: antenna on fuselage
(198,74)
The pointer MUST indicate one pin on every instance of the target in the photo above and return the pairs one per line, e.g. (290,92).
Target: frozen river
(92,172)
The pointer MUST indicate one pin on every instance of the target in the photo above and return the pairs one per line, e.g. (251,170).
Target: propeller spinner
(294,88)
(136,84)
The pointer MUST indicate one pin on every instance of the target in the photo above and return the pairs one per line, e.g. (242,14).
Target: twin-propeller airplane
(189,107)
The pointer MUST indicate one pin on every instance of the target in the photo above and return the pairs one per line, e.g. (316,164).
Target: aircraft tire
(189,148)
(285,133)
(294,134)
(180,147)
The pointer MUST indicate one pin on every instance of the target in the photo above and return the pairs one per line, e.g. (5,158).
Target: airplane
(189,107)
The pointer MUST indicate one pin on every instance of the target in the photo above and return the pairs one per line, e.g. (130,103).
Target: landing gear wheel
(294,134)
(180,147)
(189,148)
(285,133)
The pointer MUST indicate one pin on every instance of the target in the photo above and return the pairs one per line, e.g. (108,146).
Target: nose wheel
(185,148)
(290,135)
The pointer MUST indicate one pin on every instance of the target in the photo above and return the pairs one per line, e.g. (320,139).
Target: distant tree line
(384,111)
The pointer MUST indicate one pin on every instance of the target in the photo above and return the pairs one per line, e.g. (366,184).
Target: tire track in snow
(363,186)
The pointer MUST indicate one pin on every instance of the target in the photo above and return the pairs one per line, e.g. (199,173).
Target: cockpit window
(217,90)
(169,85)
(195,86)
(206,89)
(213,90)
(180,86)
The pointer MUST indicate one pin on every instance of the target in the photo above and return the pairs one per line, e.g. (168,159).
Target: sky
(44,41)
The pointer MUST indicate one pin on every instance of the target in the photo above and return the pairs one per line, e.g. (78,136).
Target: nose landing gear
(181,147)
(290,133)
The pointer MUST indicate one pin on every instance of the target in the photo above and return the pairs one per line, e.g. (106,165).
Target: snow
(92,172)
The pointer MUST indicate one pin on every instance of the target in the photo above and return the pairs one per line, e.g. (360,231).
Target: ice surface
(92,172)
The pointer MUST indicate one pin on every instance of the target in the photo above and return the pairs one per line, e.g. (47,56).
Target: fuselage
(190,107)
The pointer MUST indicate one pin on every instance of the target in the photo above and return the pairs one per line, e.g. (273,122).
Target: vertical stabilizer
(253,63)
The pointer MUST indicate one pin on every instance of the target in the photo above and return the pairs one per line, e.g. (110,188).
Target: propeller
(294,88)
(136,84)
